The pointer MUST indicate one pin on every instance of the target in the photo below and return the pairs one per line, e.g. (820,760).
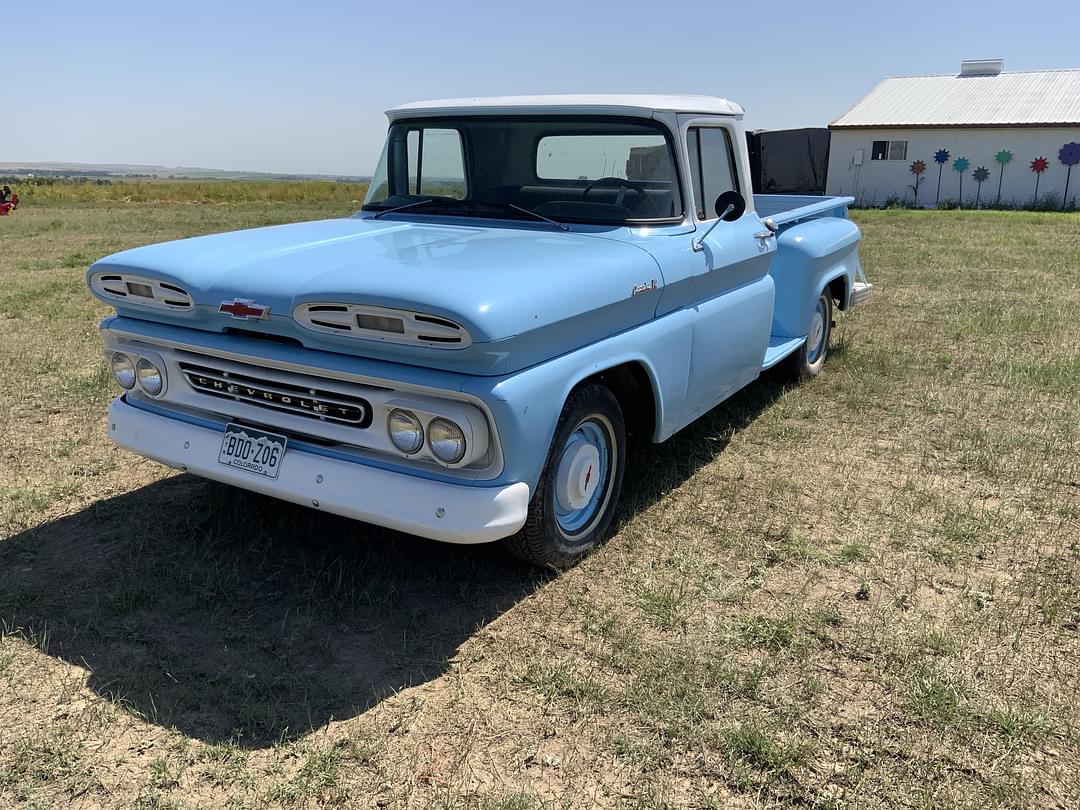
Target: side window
(436,162)
(712,167)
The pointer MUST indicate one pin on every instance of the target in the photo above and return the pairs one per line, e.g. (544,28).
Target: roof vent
(981,67)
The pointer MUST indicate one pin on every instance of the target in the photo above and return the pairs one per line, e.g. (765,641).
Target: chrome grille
(301,400)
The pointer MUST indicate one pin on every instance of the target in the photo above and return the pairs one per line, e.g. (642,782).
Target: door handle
(763,234)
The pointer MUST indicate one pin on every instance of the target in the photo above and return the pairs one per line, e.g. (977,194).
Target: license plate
(253,450)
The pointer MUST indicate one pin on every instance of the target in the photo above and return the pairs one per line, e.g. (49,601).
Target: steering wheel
(622,183)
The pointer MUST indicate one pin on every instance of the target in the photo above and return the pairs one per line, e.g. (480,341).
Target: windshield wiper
(562,226)
(416,204)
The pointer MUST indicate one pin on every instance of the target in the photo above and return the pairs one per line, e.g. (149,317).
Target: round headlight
(123,370)
(446,440)
(405,430)
(151,380)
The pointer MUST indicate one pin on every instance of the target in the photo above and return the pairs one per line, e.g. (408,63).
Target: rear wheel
(576,497)
(810,359)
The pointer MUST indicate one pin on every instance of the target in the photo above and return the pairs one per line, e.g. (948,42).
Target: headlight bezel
(443,423)
(114,361)
(145,364)
(414,423)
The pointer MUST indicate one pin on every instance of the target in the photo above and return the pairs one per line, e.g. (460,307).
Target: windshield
(583,169)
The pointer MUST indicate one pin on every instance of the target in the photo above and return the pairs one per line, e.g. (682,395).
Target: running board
(779,348)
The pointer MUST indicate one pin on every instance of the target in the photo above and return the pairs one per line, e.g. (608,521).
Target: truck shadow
(230,616)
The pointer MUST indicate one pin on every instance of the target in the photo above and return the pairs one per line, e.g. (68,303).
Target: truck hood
(523,293)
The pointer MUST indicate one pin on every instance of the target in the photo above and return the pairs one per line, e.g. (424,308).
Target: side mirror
(730,206)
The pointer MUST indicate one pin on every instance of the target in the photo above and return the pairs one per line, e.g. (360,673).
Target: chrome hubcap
(582,475)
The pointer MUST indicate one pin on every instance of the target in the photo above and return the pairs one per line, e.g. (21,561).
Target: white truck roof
(643,105)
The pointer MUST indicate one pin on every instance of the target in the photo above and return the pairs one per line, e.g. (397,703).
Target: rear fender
(809,257)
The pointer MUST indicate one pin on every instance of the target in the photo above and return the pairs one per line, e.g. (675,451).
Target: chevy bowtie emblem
(244,309)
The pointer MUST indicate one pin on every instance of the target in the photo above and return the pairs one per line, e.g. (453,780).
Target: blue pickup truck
(529,281)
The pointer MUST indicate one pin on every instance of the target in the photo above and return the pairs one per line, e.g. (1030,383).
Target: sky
(302,87)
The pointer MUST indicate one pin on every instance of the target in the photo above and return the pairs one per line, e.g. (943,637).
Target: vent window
(140,290)
(382,323)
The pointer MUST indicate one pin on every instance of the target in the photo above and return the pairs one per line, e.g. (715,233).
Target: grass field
(859,592)
(191,192)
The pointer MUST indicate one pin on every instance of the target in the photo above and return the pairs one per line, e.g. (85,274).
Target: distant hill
(134,171)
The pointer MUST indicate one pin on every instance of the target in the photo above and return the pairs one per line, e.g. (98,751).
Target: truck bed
(824,249)
(787,209)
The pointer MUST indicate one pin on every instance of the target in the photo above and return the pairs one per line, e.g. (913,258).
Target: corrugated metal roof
(1020,98)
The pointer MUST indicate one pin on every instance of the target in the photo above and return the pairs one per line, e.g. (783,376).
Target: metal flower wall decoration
(1069,154)
(960,165)
(1038,165)
(941,157)
(1004,157)
(981,175)
(917,168)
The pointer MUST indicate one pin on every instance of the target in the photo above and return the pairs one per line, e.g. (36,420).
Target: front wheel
(578,491)
(810,359)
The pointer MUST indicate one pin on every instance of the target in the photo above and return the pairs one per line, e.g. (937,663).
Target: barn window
(889,150)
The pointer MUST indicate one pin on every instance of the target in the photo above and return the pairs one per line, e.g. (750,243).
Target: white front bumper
(449,512)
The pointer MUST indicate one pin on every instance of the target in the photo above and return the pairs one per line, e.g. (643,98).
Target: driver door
(731,290)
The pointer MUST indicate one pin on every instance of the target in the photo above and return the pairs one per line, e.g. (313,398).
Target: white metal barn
(1009,130)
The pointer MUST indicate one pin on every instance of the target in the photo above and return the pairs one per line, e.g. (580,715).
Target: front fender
(526,406)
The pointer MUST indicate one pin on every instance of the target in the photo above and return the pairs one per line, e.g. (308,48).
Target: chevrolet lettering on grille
(318,404)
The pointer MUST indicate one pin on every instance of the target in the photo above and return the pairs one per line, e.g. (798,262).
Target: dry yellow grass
(860,592)
(196,192)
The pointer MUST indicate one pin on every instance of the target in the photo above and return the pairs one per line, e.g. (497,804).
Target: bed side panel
(808,257)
